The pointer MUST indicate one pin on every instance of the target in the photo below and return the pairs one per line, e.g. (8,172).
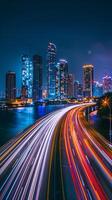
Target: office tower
(51,70)
(107,84)
(62,79)
(27,76)
(88,80)
(37,78)
(10,85)
(97,89)
(76,85)
(57,85)
(24,92)
(70,86)
(44,94)
(78,89)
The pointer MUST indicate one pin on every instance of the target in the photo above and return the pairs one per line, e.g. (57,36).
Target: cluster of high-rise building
(107,84)
(60,84)
(31,79)
(104,87)
(59,80)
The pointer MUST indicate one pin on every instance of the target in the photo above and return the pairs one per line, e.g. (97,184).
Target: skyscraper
(76,87)
(70,85)
(27,76)
(97,89)
(62,79)
(51,70)
(10,85)
(107,84)
(88,80)
(37,77)
(78,91)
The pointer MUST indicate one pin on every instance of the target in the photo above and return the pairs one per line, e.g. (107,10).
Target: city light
(55,100)
(107,103)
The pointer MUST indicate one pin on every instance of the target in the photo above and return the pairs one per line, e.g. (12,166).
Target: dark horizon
(81,30)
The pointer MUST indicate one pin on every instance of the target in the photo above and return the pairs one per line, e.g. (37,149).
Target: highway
(25,161)
(89,157)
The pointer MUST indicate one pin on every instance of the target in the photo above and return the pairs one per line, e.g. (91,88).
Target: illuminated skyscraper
(97,89)
(70,85)
(37,77)
(107,84)
(51,70)
(78,90)
(10,85)
(27,76)
(62,79)
(88,80)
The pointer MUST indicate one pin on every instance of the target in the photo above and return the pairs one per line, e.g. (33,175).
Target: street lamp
(106,103)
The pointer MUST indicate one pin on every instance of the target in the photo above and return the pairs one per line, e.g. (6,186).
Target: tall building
(78,90)
(70,86)
(27,76)
(76,85)
(88,80)
(97,89)
(10,85)
(44,93)
(37,77)
(107,84)
(51,70)
(62,79)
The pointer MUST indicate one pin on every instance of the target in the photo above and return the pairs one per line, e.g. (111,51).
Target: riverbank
(100,124)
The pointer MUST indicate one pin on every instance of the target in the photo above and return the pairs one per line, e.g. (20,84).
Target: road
(27,160)
(89,157)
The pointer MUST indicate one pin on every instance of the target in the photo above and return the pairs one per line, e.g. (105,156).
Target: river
(14,121)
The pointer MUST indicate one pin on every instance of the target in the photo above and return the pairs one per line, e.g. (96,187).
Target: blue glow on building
(62,79)
(51,70)
(37,78)
(97,89)
(107,84)
(27,75)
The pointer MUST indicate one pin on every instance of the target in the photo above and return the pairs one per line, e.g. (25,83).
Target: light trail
(26,159)
(89,157)
(23,163)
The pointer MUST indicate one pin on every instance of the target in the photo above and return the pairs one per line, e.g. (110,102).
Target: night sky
(81,30)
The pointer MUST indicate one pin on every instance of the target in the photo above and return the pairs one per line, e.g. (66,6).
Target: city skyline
(63,85)
(44,83)
(56,99)
(81,36)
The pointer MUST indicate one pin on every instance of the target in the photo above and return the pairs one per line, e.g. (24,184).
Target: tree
(104,104)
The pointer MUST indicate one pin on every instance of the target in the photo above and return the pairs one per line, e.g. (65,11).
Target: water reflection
(14,121)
